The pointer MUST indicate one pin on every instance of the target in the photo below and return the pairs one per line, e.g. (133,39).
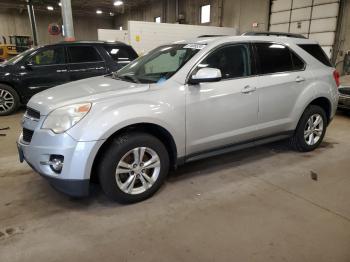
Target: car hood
(87,90)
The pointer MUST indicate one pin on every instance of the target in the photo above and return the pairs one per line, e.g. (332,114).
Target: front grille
(33,113)
(27,135)
(344,90)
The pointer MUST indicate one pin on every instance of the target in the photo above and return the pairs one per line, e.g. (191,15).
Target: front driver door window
(223,113)
(45,69)
(52,56)
(233,61)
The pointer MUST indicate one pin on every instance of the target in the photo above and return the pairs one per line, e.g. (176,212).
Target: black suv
(40,68)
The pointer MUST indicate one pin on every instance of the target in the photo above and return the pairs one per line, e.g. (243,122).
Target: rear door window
(121,54)
(83,54)
(317,52)
(273,58)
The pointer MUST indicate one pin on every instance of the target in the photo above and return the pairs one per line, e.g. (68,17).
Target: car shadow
(213,165)
(56,202)
(229,160)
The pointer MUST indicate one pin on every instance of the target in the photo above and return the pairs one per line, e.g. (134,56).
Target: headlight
(63,118)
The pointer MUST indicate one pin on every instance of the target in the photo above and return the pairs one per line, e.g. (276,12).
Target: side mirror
(206,74)
(28,64)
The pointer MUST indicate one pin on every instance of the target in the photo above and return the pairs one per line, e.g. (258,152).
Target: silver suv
(180,102)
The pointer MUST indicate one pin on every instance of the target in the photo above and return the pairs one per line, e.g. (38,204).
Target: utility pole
(32,21)
(67,17)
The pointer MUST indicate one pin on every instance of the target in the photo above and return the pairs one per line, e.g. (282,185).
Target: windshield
(18,57)
(158,65)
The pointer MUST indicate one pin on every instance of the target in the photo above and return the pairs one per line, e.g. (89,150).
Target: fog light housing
(56,163)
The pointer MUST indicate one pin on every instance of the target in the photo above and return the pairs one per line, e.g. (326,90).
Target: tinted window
(121,53)
(83,54)
(274,58)
(48,57)
(297,62)
(317,52)
(233,61)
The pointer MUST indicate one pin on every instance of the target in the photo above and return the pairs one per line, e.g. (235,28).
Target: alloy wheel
(313,129)
(138,170)
(7,101)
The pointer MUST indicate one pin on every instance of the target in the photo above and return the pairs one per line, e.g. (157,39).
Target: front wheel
(133,167)
(310,130)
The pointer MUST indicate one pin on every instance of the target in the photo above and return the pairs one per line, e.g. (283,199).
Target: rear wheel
(133,167)
(310,130)
(9,100)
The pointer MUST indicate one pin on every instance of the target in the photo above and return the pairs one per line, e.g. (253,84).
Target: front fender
(107,118)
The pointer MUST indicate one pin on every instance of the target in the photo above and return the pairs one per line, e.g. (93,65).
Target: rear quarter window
(121,53)
(298,63)
(317,52)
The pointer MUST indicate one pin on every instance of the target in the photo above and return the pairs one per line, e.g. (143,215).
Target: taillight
(336,77)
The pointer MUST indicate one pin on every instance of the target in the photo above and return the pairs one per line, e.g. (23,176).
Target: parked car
(41,68)
(179,103)
(344,97)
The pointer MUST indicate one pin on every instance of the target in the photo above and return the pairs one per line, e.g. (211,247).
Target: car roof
(88,42)
(247,38)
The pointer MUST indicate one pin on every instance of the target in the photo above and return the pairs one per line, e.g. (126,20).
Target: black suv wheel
(9,100)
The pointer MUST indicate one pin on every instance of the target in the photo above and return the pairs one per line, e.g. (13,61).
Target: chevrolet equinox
(180,102)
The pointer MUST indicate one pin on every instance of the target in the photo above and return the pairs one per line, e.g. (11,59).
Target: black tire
(118,148)
(5,89)
(297,141)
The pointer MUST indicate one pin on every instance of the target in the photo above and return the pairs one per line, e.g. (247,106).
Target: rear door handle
(299,79)
(248,89)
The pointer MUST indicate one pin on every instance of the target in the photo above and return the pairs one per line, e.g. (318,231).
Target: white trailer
(145,36)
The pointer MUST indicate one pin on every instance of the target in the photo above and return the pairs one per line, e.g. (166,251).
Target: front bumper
(78,156)
(70,187)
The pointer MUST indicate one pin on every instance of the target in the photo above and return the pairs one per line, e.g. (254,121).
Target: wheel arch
(325,104)
(150,128)
(14,88)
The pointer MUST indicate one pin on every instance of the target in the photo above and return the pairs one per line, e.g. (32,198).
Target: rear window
(317,52)
(121,54)
(83,54)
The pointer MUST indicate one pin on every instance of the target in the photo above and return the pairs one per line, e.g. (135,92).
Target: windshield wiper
(129,77)
(114,76)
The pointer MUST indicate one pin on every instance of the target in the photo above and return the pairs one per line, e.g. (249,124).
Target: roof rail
(274,34)
(89,42)
(202,36)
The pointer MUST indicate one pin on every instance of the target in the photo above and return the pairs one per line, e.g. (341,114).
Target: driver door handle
(61,71)
(248,89)
(299,79)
